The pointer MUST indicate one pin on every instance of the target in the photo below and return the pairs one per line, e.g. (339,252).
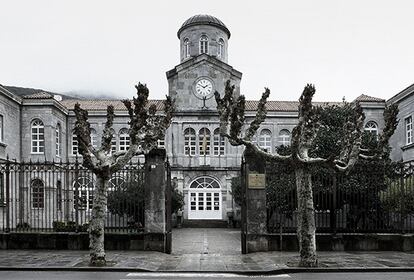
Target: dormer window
(186,48)
(220,50)
(203,44)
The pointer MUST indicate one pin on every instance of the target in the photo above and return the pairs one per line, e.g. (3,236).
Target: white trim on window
(409,137)
(37,137)
(371,127)
(189,142)
(203,44)
(265,140)
(220,49)
(186,49)
(284,137)
(124,139)
(58,140)
(219,143)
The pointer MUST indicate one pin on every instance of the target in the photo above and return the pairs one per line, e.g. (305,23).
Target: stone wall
(10,144)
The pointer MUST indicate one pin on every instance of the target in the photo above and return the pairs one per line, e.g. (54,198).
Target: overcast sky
(345,48)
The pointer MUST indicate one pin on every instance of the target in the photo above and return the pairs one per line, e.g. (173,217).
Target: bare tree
(146,128)
(231,110)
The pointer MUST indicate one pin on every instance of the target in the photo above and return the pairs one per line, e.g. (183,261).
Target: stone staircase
(205,224)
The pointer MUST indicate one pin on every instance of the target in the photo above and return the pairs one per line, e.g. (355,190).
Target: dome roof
(203,20)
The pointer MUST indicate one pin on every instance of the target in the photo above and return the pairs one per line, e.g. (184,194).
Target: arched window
(94,138)
(371,127)
(284,137)
(75,147)
(265,140)
(218,143)
(189,141)
(38,194)
(186,48)
(220,49)
(203,44)
(58,140)
(84,188)
(123,139)
(205,183)
(38,137)
(204,142)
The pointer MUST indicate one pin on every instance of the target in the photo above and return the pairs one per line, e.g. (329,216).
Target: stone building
(38,126)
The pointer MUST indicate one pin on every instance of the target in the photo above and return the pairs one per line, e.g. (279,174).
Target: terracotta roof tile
(251,105)
(101,105)
(39,95)
(367,98)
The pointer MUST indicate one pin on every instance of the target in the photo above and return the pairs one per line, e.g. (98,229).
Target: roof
(408,91)
(367,98)
(38,95)
(251,105)
(203,20)
(102,105)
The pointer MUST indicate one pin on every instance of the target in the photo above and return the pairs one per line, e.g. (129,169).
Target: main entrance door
(205,199)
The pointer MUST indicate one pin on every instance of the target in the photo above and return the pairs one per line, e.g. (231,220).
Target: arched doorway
(205,199)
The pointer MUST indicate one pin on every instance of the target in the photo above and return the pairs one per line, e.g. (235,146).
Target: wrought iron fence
(58,197)
(376,202)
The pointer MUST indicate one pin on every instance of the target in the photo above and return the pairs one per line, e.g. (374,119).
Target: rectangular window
(161,144)
(409,130)
(218,144)
(190,144)
(57,140)
(204,144)
(75,149)
(123,142)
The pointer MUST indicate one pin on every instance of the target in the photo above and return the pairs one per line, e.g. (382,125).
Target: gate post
(255,212)
(155,238)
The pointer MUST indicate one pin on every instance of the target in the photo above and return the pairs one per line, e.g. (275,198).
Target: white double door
(205,204)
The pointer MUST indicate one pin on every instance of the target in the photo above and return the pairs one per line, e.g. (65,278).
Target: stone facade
(202,163)
(402,143)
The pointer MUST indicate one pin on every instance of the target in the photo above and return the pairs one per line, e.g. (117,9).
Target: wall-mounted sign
(256,181)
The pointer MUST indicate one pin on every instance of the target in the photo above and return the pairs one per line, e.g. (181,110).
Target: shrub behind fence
(376,202)
(58,197)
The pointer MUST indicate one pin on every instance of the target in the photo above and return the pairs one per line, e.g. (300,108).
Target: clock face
(203,88)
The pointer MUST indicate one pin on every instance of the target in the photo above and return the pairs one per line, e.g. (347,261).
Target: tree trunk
(306,218)
(97,223)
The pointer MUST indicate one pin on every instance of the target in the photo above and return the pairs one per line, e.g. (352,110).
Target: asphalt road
(56,275)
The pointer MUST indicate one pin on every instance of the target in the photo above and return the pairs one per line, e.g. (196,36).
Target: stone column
(155,186)
(256,212)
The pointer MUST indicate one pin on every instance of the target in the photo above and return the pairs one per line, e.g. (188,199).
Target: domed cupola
(204,34)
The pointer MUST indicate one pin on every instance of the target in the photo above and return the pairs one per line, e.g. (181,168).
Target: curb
(287,270)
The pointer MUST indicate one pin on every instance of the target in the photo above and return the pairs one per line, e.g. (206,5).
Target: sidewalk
(153,261)
(215,250)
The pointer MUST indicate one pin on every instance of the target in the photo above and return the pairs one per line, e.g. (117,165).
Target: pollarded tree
(146,128)
(231,110)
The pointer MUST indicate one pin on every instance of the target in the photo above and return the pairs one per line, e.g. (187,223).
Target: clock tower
(203,67)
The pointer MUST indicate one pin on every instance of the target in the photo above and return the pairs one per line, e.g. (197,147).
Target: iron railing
(58,197)
(374,203)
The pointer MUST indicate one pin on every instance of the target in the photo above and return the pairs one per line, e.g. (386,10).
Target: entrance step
(205,224)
